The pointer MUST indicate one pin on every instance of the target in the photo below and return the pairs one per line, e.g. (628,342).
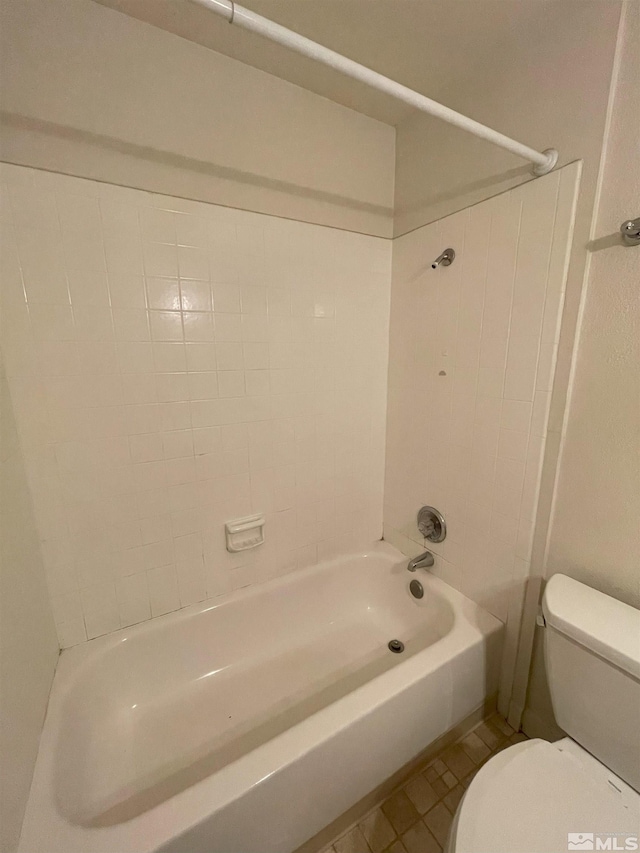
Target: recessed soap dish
(244,533)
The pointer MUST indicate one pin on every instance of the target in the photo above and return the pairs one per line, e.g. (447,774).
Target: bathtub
(250,723)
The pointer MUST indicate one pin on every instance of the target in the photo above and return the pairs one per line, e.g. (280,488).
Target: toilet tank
(592,654)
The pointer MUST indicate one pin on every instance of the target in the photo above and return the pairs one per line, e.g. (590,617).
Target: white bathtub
(251,723)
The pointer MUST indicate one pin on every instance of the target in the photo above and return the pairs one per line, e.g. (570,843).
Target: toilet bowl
(529,797)
(581,792)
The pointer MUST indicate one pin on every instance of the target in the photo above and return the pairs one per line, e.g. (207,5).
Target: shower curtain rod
(543,161)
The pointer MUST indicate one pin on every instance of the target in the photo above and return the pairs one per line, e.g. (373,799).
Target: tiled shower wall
(471,366)
(174,365)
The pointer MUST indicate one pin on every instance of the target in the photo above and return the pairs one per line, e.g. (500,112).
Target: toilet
(581,792)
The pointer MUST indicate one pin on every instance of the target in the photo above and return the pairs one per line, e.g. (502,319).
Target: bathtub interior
(168,705)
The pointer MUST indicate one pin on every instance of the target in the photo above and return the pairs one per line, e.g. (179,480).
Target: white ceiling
(437,47)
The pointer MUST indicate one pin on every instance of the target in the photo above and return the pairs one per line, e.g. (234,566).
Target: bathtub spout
(424,561)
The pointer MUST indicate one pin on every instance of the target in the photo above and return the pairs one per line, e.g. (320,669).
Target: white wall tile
(163,590)
(176,365)
(133,599)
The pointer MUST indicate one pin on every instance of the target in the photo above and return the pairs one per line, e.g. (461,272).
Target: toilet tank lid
(597,621)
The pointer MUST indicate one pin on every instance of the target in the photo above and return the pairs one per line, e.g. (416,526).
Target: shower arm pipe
(543,161)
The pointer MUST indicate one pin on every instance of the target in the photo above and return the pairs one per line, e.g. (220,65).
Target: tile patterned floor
(416,818)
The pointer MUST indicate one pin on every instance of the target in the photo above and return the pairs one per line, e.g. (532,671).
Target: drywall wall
(28,645)
(89,91)
(472,355)
(553,93)
(176,365)
(594,535)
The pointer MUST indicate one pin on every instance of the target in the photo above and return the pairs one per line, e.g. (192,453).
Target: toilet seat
(528,797)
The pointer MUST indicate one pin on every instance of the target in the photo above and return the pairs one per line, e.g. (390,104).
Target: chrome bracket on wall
(630,231)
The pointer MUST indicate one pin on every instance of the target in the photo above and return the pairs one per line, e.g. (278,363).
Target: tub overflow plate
(396,646)
(416,588)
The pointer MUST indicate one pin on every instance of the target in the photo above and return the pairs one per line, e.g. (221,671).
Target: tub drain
(396,646)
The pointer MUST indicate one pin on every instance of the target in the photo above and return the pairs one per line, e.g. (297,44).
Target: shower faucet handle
(431,524)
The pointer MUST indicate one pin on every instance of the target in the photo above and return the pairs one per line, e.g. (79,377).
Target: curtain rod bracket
(545,168)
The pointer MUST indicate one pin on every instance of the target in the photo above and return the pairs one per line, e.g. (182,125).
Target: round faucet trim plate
(431,524)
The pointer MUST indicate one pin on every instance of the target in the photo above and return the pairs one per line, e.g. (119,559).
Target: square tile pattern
(416,818)
(174,365)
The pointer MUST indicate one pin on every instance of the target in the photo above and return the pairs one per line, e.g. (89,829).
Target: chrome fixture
(445,259)
(396,646)
(431,524)
(416,589)
(630,231)
(424,561)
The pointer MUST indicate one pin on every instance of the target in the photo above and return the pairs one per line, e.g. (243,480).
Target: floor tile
(501,724)
(453,798)
(491,725)
(468,779)
(430,774)
(489,735)
(439,766)
(378,831)
(353,842)
(475,748)
(396,847)
(440,786)
(419,839)
(438,821)
(400,811)
(449,780)
(458,761)
(433,793)
(421,794)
